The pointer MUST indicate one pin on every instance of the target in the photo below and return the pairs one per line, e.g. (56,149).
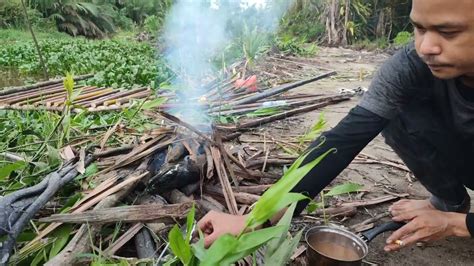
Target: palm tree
(77,17)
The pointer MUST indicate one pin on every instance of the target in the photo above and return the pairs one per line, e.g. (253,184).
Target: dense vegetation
(116,63)
(332,22)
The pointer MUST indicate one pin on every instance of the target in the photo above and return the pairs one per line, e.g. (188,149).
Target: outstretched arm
(349,137)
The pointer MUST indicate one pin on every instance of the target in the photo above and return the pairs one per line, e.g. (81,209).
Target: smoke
(196,31)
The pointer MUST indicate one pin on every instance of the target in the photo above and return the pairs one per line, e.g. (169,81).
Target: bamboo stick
(38,93)
(41,84)
(264,120)
(116,96)
(32,91)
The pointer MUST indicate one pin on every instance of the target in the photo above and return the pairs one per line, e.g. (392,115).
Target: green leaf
(250,242)
(179,246)
(7,169)
(91,170)
(190,223)
(62,236)
(285,250)
(315,130)
(285,221)
(265,111)
(154,103)
(344,189)
(228,249)
(257,238)
(219,250)
(69,85)
(313,206)
(274,198)
(198,248)
(38,258)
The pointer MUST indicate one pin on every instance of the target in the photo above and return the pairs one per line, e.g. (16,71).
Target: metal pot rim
(340,231)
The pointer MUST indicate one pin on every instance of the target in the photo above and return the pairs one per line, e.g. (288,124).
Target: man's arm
(349,137)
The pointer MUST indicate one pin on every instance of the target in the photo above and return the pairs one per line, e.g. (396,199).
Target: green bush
(116,63)
(152,24)
(403,38)
(304,25)
(293,45)
(11,14)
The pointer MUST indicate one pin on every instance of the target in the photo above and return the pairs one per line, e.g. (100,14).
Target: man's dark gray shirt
(402,80)
(405,79)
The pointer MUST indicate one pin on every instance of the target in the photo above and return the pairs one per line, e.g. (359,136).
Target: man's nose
(430,44)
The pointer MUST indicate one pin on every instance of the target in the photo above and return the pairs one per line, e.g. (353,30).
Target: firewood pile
(51,95)
(151,184)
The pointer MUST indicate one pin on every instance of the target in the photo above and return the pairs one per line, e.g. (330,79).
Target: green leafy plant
(279,250)
(315,130)
(116,63)
(279,196)
(8,168)
(403,38)
(179,243)
(345,188)
(342,189)
(229,249)
(294,45)
(254,43)
(264,111)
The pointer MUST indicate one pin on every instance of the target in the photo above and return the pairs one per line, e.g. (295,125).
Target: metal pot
(331,245)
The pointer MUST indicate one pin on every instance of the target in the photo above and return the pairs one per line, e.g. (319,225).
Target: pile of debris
(159,177)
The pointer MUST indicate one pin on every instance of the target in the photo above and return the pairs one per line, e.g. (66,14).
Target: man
(422,100)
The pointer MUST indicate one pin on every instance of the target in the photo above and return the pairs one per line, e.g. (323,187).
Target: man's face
(444,36)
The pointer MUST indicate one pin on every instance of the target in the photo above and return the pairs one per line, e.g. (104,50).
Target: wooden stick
(281,89)
(241,197)
(35,93)
(123,239)
(133,213)
(224,181)
(32,91)
(101,100)
(264,120)
(80,243)
(369,202)
(225,156)
(261,161)
(187,125)
(368,221)
(41,84)
(259,189)
(113,151)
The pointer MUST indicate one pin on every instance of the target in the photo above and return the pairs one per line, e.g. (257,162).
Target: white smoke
(195,33)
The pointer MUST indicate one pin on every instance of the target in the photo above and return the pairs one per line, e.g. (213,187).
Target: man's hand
(214,224)
(425,226)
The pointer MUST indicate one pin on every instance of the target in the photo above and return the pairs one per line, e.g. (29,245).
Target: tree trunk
(45,70)
(346,21)
(380,29)
(332,24)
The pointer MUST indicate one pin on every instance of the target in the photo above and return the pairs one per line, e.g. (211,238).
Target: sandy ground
(356,68)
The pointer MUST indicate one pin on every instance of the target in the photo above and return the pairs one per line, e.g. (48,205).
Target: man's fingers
(407,229)
(407,241)
(205,221)
(209,239)
(405,216)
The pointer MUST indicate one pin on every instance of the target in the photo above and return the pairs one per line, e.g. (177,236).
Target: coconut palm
(84,17)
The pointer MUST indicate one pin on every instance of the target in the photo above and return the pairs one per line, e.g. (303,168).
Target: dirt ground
(356,68)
